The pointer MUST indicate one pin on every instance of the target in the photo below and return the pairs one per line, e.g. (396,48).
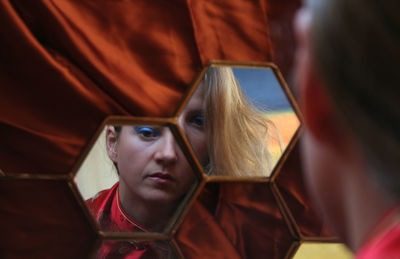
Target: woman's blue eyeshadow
(147,132)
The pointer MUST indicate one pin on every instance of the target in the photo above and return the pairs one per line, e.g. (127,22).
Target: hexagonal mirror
(235,220)
(310,250)
(246,117)
(136,177)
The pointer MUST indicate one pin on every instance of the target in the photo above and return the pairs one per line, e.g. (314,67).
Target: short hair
(238,132)
(356,48)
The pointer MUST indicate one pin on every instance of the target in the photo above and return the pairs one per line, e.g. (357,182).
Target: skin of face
(154,173)
(191,121)
(151,166)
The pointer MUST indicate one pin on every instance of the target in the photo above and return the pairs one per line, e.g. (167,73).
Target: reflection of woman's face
(191,120)
(151,165)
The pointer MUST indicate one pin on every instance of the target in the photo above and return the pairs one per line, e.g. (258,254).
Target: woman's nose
(167,150)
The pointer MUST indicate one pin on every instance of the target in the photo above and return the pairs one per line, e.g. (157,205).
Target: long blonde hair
(238,133)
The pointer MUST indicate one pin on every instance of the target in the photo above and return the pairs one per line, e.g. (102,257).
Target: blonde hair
(238,133)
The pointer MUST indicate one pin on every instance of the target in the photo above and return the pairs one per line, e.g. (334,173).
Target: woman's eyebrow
(200,111)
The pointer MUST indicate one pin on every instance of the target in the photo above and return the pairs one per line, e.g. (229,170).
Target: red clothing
(228,220)
(386,244)
(111,217)
(105,207)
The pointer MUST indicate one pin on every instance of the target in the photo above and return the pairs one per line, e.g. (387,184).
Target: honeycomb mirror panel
(136,249)
(136,178)
(316,250)
(234,220)
(244,115)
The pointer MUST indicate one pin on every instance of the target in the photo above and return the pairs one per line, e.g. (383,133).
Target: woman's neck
(153,215)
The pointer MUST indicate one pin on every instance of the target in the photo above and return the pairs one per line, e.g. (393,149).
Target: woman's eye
(147,132)
(198,120)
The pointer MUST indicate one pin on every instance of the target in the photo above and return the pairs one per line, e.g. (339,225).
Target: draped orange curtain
(67,65)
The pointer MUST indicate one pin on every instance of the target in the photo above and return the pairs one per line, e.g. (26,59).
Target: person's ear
(112,143)
(319,117)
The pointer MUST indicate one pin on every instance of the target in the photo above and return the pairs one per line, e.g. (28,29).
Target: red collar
(384,237)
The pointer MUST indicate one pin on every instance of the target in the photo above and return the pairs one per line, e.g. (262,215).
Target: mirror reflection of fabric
(234,220)
(135,250)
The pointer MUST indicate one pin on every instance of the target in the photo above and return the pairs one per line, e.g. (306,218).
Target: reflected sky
(262,87)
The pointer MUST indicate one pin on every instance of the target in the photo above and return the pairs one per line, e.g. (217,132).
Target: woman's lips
(161,177)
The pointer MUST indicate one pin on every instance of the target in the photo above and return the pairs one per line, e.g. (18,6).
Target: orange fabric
(41,219)
(66,65)
(223,29)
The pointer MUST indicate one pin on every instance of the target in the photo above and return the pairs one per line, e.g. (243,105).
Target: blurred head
(356,48)
(347,79)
